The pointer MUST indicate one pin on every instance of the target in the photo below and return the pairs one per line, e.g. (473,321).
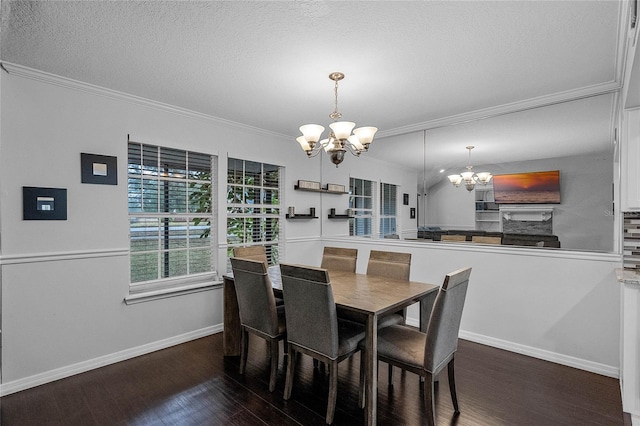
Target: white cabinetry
(487,213)
(630,159)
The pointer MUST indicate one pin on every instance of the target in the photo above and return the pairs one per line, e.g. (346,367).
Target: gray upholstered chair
(454,238)
(255,253)
(394,265)
(313,328)
(426,354)
(258,312)
(339,259)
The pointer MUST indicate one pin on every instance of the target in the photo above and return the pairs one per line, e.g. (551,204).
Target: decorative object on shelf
(99,169)
(291,211)
(308,184)
(470,178)
(44,203)
(334,187)
(340,138)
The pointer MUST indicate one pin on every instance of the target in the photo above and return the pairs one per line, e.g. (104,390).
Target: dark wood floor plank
(193,384)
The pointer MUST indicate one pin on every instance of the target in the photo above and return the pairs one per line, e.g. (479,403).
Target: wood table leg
(371,391)
(232,328)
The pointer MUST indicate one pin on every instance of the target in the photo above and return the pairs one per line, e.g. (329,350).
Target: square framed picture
(44,203)
(99,169)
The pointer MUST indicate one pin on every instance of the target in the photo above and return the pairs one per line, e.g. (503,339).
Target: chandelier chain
(335,115)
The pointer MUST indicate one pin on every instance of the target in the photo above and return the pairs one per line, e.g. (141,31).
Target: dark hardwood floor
(193,384)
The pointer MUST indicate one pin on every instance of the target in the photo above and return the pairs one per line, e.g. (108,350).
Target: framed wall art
(99,169)
(44,203)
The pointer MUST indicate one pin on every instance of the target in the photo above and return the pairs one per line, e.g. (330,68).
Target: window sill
(147,296)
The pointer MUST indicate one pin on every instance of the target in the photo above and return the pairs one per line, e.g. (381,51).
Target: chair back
(312,321)
(454,237)
(256,302)
(444,322)
(486,240)
(251,252)
(389,264)
(339,259)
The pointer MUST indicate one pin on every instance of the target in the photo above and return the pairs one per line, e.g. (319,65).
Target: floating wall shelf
(322,190)
(301,216)
(333,215)
(310,215)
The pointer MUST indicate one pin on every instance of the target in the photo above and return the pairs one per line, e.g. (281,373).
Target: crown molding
(56,80)
(527,104)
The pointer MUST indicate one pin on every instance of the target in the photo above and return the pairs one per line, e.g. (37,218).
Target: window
(388,209)
(253,207)
(171,220)
(361,205)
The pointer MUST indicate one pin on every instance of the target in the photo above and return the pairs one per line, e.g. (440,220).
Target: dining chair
(258,312)
(454,237)
(255,253)
(251,252)
(426,354)
(339,259)
(313,327)
(486,240)
(394,265)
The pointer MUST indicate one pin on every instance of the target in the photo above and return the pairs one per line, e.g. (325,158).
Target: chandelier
(469,178)
(340,139)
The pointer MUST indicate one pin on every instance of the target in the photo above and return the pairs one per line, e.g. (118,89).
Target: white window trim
(161,288)
(170,287)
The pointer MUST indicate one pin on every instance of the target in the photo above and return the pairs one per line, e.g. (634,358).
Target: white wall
(559,306)
(64,282)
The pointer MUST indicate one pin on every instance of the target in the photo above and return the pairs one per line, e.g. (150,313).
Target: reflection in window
(253,206)
(361,206)
(388,200)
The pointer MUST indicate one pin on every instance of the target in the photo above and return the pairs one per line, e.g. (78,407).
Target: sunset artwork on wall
(527,188)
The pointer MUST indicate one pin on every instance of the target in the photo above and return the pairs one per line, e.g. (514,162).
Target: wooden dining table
(369,296)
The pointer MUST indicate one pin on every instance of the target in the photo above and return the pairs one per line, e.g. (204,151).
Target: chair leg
(390,375)
(288,383)
(429,400)
(244,351)
(361,391)
(315,363)
(333,391)
(452,387)
(275,352)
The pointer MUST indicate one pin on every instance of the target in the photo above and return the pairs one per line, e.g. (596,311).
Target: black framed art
(44,203)
(99,169)
(405,199)
(412,213)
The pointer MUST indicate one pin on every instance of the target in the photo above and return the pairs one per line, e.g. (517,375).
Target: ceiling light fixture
(340,138)
(469,178)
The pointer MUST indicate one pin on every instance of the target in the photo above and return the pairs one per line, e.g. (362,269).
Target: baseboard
(81,367)
(582,364)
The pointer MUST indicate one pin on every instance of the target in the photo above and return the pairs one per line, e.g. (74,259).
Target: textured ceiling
(407,64)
